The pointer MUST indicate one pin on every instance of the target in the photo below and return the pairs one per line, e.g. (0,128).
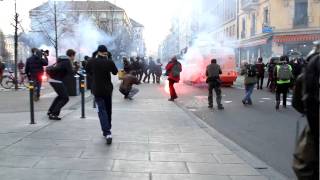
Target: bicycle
(8,81)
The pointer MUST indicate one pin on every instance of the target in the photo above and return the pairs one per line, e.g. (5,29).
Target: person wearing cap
(282,84)
(57,75)
(100,69)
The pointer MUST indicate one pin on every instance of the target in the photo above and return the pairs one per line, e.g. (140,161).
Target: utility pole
(16,20)
(56,29)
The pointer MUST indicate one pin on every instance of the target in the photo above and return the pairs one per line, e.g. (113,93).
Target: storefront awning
(253,43)
(296,38)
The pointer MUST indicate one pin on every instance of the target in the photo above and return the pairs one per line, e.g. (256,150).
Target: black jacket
(34,65)
(100,68)
(62,69)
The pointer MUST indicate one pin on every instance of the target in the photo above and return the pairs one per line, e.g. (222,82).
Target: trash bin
(73,85)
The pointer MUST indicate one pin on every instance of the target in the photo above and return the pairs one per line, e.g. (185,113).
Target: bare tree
(53,20)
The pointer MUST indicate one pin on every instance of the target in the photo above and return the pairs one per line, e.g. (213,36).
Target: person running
(173,69)
(100,68)
(34,69)
(260,72)
(126,86)
(283,75)
(57,74)
(213,79)
(250,79)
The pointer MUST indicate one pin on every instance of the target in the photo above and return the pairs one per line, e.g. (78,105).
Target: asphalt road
(260,129)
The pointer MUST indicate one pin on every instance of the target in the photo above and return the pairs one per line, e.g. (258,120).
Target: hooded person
(126,87)
(100,69)
(173,70)
(57,75)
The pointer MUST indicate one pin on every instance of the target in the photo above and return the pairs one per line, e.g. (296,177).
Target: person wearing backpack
(283,76)
(213,79)
(249,72)
(260,72)
(57,74)
(173,69)
(306,101)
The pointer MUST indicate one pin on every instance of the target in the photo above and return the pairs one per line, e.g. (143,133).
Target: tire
(7,82)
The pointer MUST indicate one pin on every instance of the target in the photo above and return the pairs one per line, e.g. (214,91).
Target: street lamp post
(16,45)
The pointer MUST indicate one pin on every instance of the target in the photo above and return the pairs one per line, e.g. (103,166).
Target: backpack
(176,70)
(284,72)
(51,71)
(251,70)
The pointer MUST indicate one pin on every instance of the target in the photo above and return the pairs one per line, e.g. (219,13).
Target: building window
(266,16)
(301,13)
(253,24)
(243,31)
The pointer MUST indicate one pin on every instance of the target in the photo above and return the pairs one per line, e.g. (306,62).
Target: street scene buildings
(256,28)
(159,89)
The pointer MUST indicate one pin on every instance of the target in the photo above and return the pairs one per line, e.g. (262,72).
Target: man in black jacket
(58,73)
(99,69)
(34,69)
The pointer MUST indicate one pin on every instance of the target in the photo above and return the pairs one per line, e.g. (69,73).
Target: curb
(245,155)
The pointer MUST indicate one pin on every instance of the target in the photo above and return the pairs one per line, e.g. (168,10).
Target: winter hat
(102,48)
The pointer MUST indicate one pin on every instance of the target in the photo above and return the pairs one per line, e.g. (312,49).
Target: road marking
(266,98)
(227,102)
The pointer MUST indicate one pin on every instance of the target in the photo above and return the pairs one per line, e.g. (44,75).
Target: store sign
(267,29)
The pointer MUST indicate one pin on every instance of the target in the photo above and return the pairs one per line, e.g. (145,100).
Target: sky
(155,15)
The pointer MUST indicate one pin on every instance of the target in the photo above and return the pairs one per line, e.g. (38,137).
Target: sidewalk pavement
(153,139)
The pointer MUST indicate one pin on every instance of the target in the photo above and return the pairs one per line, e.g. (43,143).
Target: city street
(260,129)
(153,138)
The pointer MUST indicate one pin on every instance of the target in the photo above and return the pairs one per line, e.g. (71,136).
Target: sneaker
(49,113)
(220,107)
(244,102)
(210,106)
(171,99)
(109,139)
(53,117)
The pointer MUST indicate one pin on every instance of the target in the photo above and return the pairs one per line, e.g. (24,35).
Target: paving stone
(32,174)
(74,164)
(248,178)
(219,149)
(228,159)
(9,138)
(147,166)
(115,154)
(18,161)
(188,177)
(182,157)
(222,169)
(102,175)
(150,147)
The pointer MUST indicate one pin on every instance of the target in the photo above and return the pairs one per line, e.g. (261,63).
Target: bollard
(31,90)
(82,86)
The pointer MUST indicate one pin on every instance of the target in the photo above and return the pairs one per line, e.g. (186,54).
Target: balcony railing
(248,5)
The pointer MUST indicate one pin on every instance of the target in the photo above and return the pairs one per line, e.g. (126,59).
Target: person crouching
(126,86)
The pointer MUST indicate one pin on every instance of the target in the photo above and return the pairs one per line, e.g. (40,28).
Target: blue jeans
(249,89)
(104,105)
